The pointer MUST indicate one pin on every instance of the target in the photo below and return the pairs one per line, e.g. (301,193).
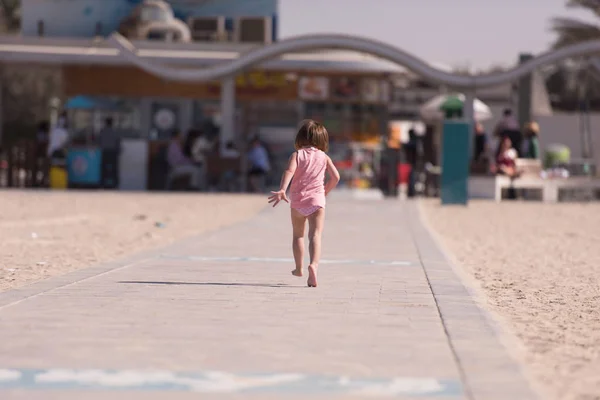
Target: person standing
(532,141)
(481,144)
(58,139)
(41,167)
(509,127)
(110,146)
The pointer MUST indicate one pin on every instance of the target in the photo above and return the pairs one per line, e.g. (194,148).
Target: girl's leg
(316,221)
(298,227)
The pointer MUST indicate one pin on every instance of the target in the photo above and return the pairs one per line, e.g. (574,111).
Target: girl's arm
(288,174)
(277,197)
(334,177)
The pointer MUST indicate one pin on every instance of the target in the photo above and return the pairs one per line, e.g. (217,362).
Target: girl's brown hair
(312,133)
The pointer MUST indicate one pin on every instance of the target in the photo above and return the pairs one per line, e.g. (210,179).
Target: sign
(370,90)
(313,88)
(83,166)
(345,88)
(164,119)
(258,83)
(261,80)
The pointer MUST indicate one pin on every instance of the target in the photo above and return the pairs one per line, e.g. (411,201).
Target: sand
(43,234)
(538,266)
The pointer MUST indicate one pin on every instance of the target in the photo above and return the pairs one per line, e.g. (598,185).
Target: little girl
(307,166)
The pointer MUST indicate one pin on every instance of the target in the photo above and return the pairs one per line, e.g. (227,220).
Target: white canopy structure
(431,110)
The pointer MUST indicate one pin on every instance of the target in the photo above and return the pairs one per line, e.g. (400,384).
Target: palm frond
(590,5)
(572,31)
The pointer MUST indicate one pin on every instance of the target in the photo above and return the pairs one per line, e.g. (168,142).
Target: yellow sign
(261,80)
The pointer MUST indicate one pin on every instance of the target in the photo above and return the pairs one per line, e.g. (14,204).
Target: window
(153,14)
(157,35)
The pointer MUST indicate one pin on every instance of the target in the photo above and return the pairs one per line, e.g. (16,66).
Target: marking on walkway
(281,260)
(222,382)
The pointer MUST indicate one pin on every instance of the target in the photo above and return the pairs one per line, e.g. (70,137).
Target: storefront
(345,90)
(269,104)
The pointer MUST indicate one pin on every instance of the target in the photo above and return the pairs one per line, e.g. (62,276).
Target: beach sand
(43,233)
(538,267)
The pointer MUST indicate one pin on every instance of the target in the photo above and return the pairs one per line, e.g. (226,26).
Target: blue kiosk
(84,158)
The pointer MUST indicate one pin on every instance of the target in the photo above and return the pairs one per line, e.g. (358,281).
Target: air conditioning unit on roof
(207,29)
(253,30)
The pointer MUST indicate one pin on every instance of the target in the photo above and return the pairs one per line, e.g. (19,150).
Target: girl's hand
(276,197)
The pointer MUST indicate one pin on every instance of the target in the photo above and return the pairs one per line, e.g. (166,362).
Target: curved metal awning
(369,46)
(190,55)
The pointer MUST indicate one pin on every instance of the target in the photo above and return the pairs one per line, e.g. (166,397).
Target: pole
(227,132)
(469,115)
(228,126)
(524,91)
(1,113)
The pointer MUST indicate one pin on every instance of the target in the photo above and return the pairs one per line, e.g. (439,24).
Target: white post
(469,115)
(228,125)
(227,111)
(1,111)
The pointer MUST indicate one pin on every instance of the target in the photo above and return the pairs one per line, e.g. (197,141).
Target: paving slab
(221,315)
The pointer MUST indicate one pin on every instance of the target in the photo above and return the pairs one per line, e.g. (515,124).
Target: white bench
(490,187)
(554,186)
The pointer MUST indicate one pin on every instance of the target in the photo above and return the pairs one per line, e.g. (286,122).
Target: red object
(403,173)
(343,164)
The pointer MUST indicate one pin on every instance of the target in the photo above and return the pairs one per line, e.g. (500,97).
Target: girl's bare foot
(297,272)
(312,276)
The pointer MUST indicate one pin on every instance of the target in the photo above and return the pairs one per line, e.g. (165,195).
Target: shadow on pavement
(279,285)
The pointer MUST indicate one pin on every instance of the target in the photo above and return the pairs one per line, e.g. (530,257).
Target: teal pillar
(456,154)
(455,162)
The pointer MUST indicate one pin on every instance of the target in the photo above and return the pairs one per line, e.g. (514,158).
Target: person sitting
(258,158)
(196,148)
(506,163)
(180,164)
(506,160)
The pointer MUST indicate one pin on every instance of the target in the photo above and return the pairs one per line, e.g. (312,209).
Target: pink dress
(307,192)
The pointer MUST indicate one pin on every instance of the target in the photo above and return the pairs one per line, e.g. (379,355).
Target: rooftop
(85,51)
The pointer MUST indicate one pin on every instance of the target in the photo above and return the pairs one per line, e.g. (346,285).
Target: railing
(20,166)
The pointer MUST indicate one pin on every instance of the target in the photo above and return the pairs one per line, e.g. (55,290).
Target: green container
(556,154)
(455,162)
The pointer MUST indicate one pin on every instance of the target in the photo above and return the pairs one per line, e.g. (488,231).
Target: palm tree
(580,78)
(10,10)
(570,30)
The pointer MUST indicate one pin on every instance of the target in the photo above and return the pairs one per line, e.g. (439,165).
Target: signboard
(370,90)
(255,84)
(313,88)
(84,166)
(345,88)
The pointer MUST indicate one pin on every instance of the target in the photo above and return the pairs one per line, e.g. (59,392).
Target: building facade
(88,18)
(347,91)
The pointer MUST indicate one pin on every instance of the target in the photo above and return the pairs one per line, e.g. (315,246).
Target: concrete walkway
(221,315)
